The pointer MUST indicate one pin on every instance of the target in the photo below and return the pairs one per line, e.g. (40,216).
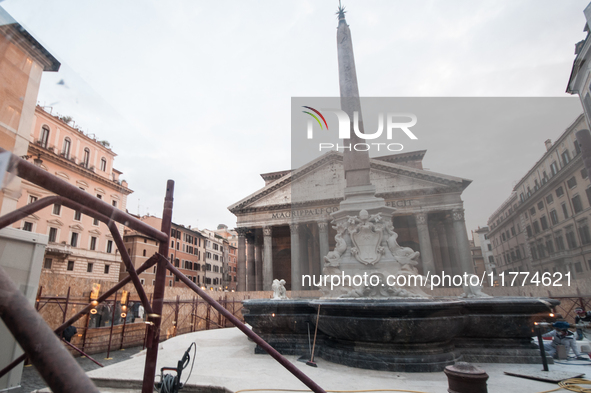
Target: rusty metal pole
(55,364)
(85,331)
(146,265)
(248,332)
(175,327)
(124,322)
(38,299)
(112,325)
(75,348)
(156,318)
(65,310)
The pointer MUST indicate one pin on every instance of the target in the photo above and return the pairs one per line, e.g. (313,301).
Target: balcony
(59,250)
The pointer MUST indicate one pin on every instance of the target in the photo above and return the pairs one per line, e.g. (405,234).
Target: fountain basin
(403,334)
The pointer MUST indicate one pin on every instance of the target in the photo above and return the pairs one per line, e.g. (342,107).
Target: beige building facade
(22,62)
(78,245)
(544,226)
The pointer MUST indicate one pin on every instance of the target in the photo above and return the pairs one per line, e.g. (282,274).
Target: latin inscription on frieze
(318,211)
(401,203)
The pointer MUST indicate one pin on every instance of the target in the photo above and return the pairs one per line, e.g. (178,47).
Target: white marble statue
(279,292)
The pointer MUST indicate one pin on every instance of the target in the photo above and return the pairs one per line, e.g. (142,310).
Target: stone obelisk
(359,192)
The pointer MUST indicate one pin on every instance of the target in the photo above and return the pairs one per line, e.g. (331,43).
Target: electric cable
(572,385)
(193,363)
(168,382)
(334,391)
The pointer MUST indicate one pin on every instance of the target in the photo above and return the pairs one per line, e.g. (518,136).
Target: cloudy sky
(199,91)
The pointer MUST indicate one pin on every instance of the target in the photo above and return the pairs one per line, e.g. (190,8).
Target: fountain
(380,324)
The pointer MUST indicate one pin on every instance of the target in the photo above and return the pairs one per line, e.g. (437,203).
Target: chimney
(548,144)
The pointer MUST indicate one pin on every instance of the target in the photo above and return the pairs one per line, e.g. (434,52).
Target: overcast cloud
(200,92)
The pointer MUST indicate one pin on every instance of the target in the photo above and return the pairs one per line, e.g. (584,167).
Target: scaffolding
(43,347)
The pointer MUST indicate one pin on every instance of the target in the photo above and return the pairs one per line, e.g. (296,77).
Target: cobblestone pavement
(31,380)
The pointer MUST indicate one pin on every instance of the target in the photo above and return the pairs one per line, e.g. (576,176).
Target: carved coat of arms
(366,237)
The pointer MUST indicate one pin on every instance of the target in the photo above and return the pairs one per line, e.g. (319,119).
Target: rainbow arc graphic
(315,117)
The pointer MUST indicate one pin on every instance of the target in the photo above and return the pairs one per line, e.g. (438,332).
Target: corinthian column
(463,253)
(250,264)
(296,271)
(323,235)
(267,258)
(241,265)
(425,244)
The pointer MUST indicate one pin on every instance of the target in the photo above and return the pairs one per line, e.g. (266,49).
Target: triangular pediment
(323,180)
(33,217)
(77,227)
(55,222)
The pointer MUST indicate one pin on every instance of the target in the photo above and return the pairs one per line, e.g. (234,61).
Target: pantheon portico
(281,235)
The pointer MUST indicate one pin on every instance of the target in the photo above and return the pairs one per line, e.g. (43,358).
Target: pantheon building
(288,220)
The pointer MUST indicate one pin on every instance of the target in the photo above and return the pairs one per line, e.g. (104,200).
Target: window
(564,210)
(584,173)
(541,250)
(77,216)
(95,222)
(109,246)
(57,209)
(513,231)
(522,197)
(66,148)
(588,192)
(571,241)
(52,235)
(559,192)
(47,263)
(28,226)
(534,252)
(584,233)
(554,168)
(74,239)
(44,137)
(528,229)
(89,267)
(536,227)
(144,252)
(578,267)
(99,196)
(565,158)
(549,199)
(503,236)
(32,199)
(70,265)
(559,243)
(540,205)
(572,182)
(86,158)
(544,223)
(553,217)
(107,269)
(93,243)
(103,164)
(114,203)
(518,254)
(489,247)
(550,246)
(577,204)
(532,211)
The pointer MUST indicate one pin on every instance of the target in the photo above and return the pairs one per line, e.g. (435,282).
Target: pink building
(78,245)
